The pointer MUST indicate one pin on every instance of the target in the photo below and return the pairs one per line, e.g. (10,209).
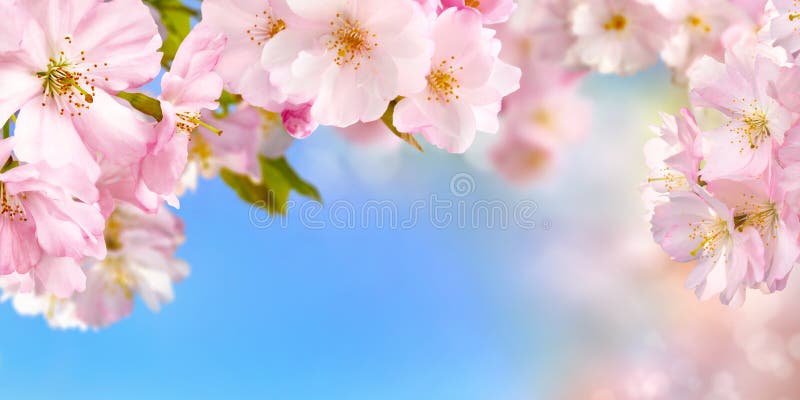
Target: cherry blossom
(617,36)
(742,90)
(465,84)
(693,225)
(351,58)
(521,161)
(298,121)
(140,261)
(783,28)
(248,25)
(188,88)
(674,157)
(47,221)
(700,26)
(74,56)
(236,150)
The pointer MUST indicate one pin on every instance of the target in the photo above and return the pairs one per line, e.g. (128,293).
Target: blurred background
(330,302)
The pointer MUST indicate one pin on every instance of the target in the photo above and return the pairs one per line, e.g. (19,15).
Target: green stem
(388,118)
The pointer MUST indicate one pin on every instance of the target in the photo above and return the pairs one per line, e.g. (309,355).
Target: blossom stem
(388,118)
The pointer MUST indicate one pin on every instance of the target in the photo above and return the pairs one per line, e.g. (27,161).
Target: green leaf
(272,194)
(7,129)
(249,191)
(143,103)
(388,118)
(10,163)
(280,169)
(176,18)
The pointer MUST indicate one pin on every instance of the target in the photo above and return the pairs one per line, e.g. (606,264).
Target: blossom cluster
(625,36)
(557,43)
(724,182)
(89,159)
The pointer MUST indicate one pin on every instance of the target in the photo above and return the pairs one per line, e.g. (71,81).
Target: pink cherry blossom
(783,27)
(298,121)
(521,161)
(47,220)
(547,105)
(543,30)
(674,157)
(236,149)
(140,261)
(466,84)
(350,58)
(693,225)
(743,90)
(700,26)
(759,203)
(536,34)
(188,88)
(248,26)
(538,122)
(74,56)
(492,11)
(274,140)
(617,36)
(59,312)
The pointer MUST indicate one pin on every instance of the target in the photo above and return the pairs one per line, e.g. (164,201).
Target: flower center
(712,232)
(754,127)
(761,216)
(201,151)
(350,42)
(670,179)
(270,123)
(543,118)
(264,30)
(696,22)
(618,22)
(120,276)
(472,3)
(112,232)
(63,80)
(442,82)
(536,159)
(10,206)
(188,121)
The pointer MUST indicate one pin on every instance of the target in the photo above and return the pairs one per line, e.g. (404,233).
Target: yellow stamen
(618,22)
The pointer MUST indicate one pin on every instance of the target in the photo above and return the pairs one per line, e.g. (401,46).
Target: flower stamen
(62,79)
(349,42)
(442,82)
(10,207)
(261,32)
(618,22)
